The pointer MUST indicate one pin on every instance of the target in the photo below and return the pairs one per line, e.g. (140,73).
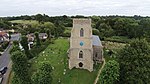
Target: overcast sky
(75,7)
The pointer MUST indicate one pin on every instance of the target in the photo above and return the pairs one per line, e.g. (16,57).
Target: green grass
(56,54)
(25,21)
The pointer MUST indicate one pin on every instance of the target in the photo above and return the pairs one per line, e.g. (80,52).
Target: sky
(75,7)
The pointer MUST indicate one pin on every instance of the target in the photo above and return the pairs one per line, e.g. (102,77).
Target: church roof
(96,40)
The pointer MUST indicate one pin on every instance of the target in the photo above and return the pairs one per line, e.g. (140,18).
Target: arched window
(81,54)
(81,32)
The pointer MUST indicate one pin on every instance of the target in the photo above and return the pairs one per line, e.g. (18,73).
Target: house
(42,36)
(31,38)
(4,36)
(85,48)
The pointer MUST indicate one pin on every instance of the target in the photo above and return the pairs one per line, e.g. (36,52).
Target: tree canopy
(43,74)
(135,63)
(110,73)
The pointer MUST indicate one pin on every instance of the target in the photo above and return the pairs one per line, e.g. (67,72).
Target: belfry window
(81,54)
(81,32)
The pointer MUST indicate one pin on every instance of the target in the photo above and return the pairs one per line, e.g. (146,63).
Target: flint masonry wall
(75,46)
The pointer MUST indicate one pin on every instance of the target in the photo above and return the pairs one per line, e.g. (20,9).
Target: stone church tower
(81,48)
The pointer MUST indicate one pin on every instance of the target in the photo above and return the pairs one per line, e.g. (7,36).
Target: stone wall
(99,51)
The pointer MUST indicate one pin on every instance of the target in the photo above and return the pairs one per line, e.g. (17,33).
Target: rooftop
(96,40)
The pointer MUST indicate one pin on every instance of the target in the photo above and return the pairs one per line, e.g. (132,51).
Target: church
(85,48)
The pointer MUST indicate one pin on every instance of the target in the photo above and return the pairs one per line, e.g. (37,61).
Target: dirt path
(99,72)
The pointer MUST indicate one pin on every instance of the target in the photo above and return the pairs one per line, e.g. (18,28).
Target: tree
(96,32)
(38,43)
(14,48)
(39,18)
(49,26)
(110,73)
(24,43)
(134,62)
(43,74)
(119,26)
(59,29)
(132,30)
(145,27)
(105,30)
(20,68)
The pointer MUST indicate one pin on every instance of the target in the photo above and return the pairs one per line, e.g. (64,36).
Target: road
(5,58)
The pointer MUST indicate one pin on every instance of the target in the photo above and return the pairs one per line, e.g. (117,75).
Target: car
(3,70)
(1,79)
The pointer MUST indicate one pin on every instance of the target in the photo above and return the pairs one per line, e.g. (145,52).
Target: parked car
(3,70)
(1,79)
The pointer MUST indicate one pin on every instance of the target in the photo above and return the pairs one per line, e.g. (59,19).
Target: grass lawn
(56,54)
(25,21)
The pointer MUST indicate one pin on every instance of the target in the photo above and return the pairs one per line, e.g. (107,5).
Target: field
(25,21)
(56,54)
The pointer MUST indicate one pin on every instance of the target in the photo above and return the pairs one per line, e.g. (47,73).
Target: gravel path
(99,72)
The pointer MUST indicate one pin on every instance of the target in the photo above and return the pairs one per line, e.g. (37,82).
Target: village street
(5,58)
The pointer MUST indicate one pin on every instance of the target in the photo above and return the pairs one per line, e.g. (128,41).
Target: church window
(81,32)
(81,54)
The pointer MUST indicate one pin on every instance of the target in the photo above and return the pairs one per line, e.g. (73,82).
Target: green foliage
(48,33)
(20,68)
(9,35)
(43,74)
(38,42)
(67,33)
(36,50)
(134,63)
(5,24)
(105,30)
(16,80)
(4,44)
(59,29)
(24,42)
(119,39)
(56,55)
(96,32)
(39,18)
(15,43)
(14,48)
(110,73)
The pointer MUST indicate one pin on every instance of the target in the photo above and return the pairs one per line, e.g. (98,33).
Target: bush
(5,44)
(110,73)
(96,32)
(36,50)
(67,33)
(120,39)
